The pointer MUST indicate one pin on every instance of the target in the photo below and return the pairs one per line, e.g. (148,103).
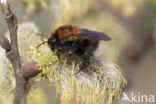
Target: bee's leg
(71,51)
(58,54)
(85,59)
(73,48)
(61,50)
(83,67)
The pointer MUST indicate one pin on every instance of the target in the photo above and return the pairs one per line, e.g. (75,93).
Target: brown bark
(22,73)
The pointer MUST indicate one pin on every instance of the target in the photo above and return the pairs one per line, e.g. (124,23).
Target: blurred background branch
(22,74)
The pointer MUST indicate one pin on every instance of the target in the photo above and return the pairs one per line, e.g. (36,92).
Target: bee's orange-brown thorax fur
(67,33)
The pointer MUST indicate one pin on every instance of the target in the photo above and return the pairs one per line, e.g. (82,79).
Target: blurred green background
(130,23)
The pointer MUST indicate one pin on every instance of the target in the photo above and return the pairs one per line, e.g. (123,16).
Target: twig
(22,73)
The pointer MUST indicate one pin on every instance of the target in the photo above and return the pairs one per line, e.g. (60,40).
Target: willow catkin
(99,83)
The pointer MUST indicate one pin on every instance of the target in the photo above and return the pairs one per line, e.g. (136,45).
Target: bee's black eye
(53,40)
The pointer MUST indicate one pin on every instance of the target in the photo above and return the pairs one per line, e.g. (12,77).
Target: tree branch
(22,73)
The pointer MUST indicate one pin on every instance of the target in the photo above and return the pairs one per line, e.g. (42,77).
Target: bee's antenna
(42,44)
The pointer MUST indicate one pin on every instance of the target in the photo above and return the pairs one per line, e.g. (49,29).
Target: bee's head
(52,42)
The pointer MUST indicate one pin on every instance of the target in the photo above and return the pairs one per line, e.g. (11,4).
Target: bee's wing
(88,34)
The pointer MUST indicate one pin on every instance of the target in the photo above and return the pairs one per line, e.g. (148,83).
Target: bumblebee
(74,40)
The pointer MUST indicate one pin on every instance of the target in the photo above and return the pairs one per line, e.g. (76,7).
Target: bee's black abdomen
(87,47)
